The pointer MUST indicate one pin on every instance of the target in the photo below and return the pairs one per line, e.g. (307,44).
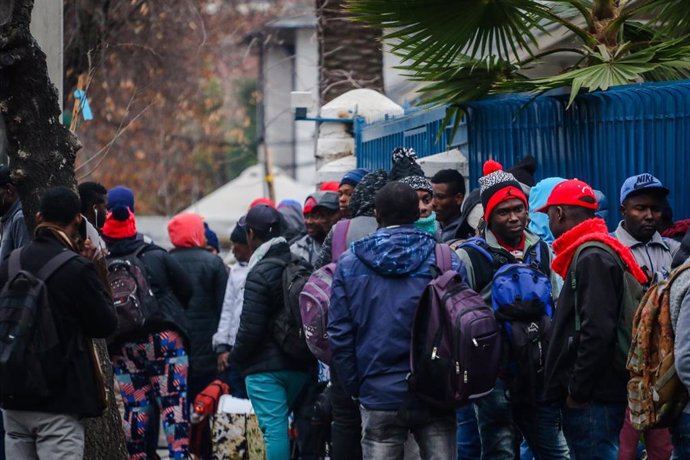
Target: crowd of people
(176,320)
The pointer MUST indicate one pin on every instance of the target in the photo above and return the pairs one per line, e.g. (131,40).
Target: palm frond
(438,30)
(664,61)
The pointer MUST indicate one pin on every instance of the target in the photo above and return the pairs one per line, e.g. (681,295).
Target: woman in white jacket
(224,338)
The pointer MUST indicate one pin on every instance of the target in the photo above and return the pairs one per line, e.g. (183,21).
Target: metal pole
(261,122)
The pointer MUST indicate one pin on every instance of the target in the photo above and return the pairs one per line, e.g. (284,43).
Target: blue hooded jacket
(376,288)
(539,222)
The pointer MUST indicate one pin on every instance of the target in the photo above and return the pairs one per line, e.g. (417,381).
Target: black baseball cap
(261,218)
(328,200)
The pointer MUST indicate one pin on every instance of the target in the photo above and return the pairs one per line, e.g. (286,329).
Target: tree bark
(42,153)
(350,53)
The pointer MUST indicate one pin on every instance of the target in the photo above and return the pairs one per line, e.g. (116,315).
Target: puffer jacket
(209,278)
(170,284)
(375,292)
(255,349)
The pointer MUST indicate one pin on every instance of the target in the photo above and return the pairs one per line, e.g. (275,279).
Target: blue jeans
(680,435)
(272,395)
(592,431)
(501,424)
(469,444)
(384,434)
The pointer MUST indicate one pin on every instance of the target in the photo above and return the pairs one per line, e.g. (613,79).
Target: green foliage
(466,49)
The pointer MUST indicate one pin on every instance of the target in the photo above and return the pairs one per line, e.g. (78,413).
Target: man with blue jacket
(376,288)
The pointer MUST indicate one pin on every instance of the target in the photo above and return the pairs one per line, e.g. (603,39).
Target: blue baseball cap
(642,182)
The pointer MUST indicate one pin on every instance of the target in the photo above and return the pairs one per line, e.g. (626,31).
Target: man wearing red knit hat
(506,241)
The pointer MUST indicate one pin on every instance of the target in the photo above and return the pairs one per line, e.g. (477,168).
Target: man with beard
(320,214)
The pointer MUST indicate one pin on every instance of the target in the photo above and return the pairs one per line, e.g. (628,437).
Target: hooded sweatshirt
(375,292)
(539,221)
(209,278)
(187,231)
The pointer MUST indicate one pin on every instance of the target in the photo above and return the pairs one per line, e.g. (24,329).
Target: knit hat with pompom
(497,186)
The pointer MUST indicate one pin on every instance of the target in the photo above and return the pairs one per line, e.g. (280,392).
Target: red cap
(329,186)
(571,193)
(258,201)
(309,205)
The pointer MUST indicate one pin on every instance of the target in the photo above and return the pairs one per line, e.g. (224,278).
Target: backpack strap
(444,258)
(339,239)
(55,263)
(538,257)
(485,262)
(573,267)
(14,266)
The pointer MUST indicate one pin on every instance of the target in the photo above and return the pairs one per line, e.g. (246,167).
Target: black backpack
(286,325)
(133,297)
(32,362)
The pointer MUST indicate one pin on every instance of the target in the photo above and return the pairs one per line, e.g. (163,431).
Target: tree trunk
(603,13)
(42,153)
(350,53)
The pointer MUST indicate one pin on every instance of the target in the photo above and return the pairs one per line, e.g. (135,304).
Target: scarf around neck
(595,229)
(262,250)
(59,235)
(427,224)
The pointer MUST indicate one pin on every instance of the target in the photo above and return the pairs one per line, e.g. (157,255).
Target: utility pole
(261,121)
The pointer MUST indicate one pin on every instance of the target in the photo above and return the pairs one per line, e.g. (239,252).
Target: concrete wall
(46,26)
(278,76)
(306,79)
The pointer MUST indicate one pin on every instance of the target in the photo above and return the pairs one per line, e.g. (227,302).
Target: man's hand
(223,361)
(89,250)
(572,404)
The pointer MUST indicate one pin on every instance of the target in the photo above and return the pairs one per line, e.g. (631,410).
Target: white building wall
(306,79)
(278,81)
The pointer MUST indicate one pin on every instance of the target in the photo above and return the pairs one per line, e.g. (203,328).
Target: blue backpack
(522,302)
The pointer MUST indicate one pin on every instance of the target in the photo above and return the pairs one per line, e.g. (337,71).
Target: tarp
(223,207)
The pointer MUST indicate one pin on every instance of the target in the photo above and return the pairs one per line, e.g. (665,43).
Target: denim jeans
(384,434)
(469,444)
(680,435)
(592,431)
(501,423)
(272,395)
(542,428)
(346,427)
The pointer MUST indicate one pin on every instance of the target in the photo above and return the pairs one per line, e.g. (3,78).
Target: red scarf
(591,230)
(119,229)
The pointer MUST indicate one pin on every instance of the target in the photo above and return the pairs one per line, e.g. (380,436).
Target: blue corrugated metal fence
(602,138)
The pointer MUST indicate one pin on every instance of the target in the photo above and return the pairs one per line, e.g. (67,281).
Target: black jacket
(83,309)
(582,364)
(255,349)
(170,284)
(209,277)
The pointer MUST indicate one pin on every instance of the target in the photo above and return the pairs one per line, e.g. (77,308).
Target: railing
(419,130)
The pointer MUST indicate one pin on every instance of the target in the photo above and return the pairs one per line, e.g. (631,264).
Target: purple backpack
(316,297)
(456,341)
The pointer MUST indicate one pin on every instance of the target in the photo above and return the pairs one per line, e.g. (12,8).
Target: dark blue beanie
(353,177)
(120,197)
(238,235)
(211,237)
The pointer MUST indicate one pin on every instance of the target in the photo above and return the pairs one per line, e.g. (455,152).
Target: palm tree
(350,54)
(466,49)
